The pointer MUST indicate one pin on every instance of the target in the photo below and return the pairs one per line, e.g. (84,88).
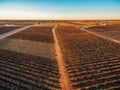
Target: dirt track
(64,80)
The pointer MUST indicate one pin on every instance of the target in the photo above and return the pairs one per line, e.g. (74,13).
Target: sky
(59,9)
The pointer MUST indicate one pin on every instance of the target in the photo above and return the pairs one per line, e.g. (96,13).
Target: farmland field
(7,29)
(17,22)
(43,34)
(92,62)
(27,61)
(112,31)
(60,56)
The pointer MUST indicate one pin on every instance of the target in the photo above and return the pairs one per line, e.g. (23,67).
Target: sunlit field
(60,55)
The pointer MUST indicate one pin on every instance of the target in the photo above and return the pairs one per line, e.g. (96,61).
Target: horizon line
(59,19)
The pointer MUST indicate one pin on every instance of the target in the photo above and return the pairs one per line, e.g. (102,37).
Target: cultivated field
(112,31)
(92,62)
(42,34)
(8,29)
(95,22)
(17,22)
(27,61)
(60,56)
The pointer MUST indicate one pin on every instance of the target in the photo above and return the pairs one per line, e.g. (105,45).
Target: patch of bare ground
(42,49)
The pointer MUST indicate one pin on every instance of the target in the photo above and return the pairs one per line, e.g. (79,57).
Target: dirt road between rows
(64,80)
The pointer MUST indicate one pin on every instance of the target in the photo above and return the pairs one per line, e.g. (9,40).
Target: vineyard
(23,71)
(7,29)
(42,57)
(43,34)
(112,31)
(92,62)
